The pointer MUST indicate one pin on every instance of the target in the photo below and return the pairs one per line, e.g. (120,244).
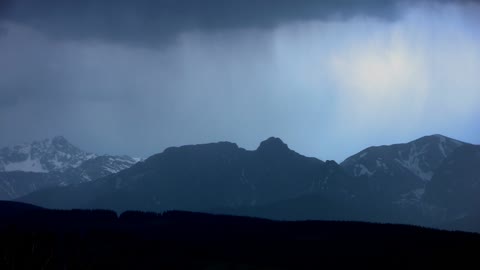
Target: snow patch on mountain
(441,146)
(53,162)
(412,197)
(360,170)
(420,157)
(414,161)
(381,164)
(27,165)
(101,166)
(49,155)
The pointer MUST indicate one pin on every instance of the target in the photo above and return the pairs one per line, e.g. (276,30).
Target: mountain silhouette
(431,181)
(203,177)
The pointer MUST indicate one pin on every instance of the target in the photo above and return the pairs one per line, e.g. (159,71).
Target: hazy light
(328,88)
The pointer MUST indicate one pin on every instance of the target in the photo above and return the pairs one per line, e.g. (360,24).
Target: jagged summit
(51,162)
(208,176)
(273,145)
(60,140)
(270,145)
(204,146)
(48,155)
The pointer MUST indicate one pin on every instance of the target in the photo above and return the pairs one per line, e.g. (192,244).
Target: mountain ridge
(276,182)
(206,174)
(409,166)
(52,162)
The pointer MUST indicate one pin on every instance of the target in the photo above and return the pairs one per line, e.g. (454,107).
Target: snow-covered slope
(52,162)
(49,155)
(420,157)
(403,168)
(97,167)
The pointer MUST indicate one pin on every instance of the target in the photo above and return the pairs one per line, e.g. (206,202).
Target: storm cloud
(151,22)
(328,77)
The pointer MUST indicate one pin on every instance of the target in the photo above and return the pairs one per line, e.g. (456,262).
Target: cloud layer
(154,22)
(327,86)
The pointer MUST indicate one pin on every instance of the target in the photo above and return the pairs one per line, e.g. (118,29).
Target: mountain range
(52,162)
(204,177)
(431,181)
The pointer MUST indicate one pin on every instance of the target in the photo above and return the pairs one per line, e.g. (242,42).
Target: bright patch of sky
(327,88)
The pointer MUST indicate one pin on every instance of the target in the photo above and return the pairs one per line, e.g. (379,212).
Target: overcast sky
(328,77)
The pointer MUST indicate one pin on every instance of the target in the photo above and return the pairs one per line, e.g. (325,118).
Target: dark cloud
(119,96)
(154,22)
(157,21)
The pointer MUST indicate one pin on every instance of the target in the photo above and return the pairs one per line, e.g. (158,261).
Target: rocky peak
(49,155)
(273,145)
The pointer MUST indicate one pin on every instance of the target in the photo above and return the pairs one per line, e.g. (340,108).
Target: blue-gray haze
(328,77)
